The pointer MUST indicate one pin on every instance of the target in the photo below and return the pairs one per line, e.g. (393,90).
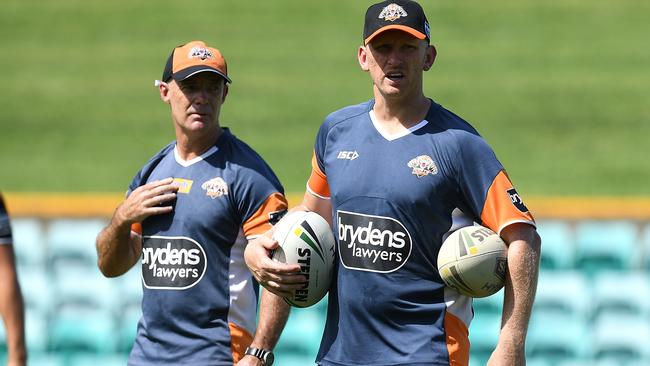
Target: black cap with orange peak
(192,58)
(404,15)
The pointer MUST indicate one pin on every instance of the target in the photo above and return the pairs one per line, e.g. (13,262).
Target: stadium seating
(130,287)
(129,308)
(79,329)
(84,318)
(606,245)
(84,287)
(29,242)
(36,330)
(534,361)
(557,338)
(36,286)
(646,247)
(592,295)
(483,334)
(563,293)
(285,359)
(72,243)
(624,338)
(589,362)
(491,304)
(45,359)
(302,333)
(622,293)
(558,244)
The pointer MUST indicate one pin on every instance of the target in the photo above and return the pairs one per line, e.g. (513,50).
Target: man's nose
(201,96)
(395,57)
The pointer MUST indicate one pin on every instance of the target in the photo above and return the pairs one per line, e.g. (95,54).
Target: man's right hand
(118,247)
(150,199)
(281,279)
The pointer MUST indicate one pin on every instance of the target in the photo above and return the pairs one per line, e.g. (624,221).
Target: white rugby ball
(473,261)
(306,238)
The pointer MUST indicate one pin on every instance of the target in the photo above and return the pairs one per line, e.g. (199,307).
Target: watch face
(268,360)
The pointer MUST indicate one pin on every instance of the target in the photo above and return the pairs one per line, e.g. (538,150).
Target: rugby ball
(473,261)
(306,238)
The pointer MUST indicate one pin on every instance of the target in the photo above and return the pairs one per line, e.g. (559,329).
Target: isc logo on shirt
(347,155)
(172,263)
(372,243)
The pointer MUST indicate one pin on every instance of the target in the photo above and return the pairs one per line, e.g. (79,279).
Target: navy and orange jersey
(200,301)
(5,226)
(394,198)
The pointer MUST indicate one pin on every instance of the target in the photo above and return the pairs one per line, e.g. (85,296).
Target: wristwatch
(264,355)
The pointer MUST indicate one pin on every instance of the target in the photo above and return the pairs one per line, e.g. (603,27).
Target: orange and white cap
(192,58)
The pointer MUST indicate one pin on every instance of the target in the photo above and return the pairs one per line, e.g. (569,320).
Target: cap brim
(191,71)
(404,28)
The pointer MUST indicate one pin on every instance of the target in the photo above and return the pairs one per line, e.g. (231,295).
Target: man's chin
(200,119)
(392,92)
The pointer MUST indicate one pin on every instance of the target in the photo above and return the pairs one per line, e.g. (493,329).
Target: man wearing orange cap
(406,171)
(188,214)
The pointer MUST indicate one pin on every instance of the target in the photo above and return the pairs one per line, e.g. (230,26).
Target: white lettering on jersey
(372,243)
(172,263)
(348,155)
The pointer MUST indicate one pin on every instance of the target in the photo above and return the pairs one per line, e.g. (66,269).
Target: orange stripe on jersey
(239,340)
(503,206)
(457,340)
(318,180)
(259,223)
(136,227)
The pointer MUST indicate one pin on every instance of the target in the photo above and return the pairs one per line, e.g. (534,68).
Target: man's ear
(163,88)
(362,56)
(430,57)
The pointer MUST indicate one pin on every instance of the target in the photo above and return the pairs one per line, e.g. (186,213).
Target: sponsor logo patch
(215,187)
(200,53)
(516,200)
(184,185)
(275,216)
(172,263)
(422,166)
(372,243)
(392,12)
(347,155)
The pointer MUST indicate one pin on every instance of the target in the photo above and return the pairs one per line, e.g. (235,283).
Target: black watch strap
(265,355)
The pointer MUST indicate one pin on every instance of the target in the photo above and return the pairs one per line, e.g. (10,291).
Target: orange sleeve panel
(259,222)
(136,227)
(318,180)
(457,340)
(239,340)
(503,205)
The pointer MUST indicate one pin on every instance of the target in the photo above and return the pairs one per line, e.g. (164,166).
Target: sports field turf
(560,88)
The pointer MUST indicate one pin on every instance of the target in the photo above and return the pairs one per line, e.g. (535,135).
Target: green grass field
(561,88)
